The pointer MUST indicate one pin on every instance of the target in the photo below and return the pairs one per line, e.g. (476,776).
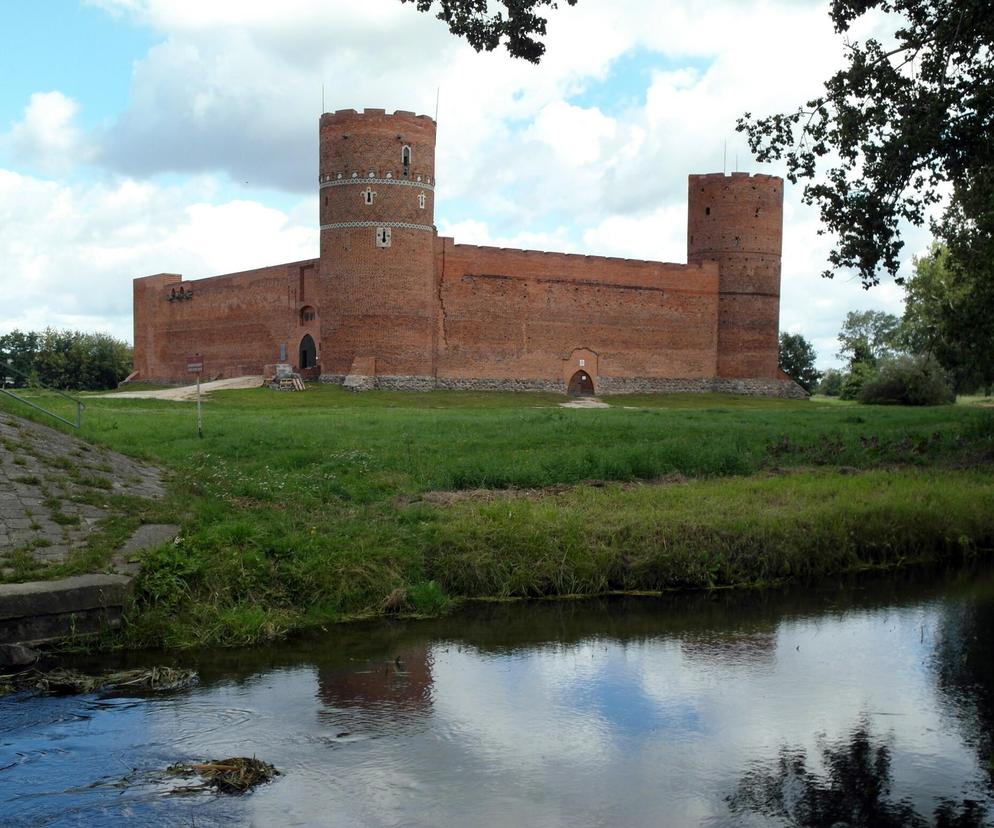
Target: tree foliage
(868,336)
(797,360)
(947,313)
(855,378)
(65,359)
(519,25)
(831,382)
(898,121)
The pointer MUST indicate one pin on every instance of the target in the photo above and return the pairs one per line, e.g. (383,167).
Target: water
(856,702)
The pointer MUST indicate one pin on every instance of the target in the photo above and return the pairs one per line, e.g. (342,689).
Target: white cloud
(47,138)
(70,252)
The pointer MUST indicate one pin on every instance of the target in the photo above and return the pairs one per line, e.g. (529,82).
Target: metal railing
(7,369)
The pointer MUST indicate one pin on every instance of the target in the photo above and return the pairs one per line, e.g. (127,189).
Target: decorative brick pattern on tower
(390,304)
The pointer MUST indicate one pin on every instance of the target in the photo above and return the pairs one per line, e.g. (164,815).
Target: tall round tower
(377,207)
(737,221)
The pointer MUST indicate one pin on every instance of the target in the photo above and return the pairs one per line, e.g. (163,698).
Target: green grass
(306,508)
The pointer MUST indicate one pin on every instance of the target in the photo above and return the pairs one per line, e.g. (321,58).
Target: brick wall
(237,321)
(522,315)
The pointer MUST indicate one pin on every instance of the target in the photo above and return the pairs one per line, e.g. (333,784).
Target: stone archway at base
(580,385)
(308,353)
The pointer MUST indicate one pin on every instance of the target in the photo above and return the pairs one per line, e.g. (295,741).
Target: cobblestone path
(50,487)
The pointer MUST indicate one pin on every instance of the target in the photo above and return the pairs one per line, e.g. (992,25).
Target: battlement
(758,177)
(343,115)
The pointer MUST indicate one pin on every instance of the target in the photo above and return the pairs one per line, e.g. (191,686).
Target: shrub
(908,380)
(852,382)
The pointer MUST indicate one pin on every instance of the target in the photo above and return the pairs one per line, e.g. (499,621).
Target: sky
(147,136)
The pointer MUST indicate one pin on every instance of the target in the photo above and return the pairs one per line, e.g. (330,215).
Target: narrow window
(405,158)
(282,352)
(421,201)
(382,236)
(707,211)
(367,195)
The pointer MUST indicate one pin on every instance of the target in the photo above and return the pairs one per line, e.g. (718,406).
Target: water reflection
(378,693)
(964,663)
(828,704)
(853,790)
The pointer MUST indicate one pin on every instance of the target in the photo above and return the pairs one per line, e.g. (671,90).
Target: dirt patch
(443,498)
(585,402)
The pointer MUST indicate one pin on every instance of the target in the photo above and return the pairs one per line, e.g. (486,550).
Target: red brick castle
(391,304)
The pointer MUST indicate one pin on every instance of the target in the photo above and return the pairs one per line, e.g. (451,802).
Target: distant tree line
(64,359)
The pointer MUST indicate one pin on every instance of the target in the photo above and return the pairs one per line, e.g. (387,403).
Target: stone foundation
(603,385)
(747,387)
(453,384)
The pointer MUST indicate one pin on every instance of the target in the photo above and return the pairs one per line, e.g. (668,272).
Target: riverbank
(304,509)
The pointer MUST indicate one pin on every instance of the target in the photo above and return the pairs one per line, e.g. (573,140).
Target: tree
(797,360)
(867,336)
(519,25)
(67,359)
(947,314)
(18,350)
(831,382)
(898,121)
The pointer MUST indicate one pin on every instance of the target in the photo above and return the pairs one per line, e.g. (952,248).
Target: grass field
(308,508)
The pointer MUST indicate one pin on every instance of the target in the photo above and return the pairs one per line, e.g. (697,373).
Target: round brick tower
(377,207)
(737,221)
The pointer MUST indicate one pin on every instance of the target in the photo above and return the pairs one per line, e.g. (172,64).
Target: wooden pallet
(292,384)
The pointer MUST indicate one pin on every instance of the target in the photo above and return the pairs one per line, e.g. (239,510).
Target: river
(857,701)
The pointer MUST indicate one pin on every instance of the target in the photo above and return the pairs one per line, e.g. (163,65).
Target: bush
(908,380)
(831,382)
(852,383)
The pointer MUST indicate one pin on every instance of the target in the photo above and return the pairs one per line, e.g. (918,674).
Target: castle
(391,304)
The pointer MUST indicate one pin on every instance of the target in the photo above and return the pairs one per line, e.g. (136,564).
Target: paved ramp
(189,392)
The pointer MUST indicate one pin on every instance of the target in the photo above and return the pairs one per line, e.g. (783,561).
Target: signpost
(195,365)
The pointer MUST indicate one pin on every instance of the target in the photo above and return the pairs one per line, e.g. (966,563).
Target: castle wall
(390,304)
(237,321)
(524,315)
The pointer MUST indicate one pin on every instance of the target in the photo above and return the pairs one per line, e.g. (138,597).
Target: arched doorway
(581,385)
(308,353)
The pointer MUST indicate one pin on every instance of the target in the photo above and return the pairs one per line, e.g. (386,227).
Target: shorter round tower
(737,221)
(377,208)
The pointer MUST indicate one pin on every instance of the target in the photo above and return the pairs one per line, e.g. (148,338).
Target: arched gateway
(308,353)
(581,385)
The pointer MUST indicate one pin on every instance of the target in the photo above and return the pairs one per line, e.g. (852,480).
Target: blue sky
(141,136)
